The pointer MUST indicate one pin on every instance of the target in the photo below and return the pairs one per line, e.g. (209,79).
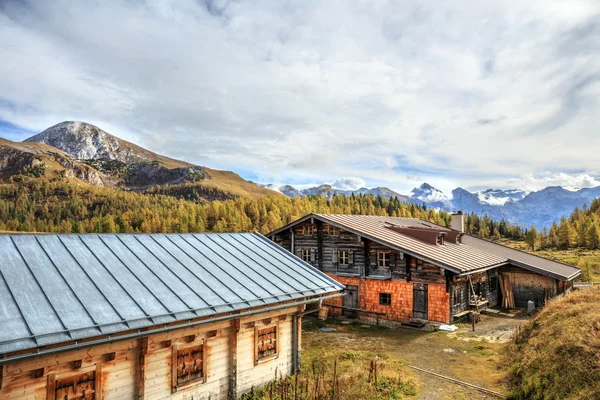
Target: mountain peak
(428,193)
(85,141)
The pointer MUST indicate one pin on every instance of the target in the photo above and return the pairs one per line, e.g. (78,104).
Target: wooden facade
(382,279)
(154,367)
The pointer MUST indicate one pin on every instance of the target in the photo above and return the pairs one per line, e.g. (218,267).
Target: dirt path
(472,357)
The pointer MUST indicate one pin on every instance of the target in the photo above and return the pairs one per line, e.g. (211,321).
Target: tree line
(581,229)
(42,205)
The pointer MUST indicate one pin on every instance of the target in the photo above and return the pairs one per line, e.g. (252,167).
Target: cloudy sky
(394,93)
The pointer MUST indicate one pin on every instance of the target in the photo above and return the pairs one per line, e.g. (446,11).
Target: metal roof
(471,255)
(59,288)
(459,258)
(525,260)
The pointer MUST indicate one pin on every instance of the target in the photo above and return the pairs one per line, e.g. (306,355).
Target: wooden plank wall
(527,285)
(142,368)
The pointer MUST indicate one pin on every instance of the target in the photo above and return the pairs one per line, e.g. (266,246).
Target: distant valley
(539,208)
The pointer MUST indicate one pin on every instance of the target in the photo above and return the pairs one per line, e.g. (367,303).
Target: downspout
(296,333)
(140,334)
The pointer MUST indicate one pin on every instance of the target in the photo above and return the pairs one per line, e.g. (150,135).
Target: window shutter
(334,257)
(373,259)
(350,257)
(313,255)
(299,252)
(393,260)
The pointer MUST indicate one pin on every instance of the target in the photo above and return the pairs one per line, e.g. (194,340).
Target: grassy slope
(570,256)
(231,182)
(555,356)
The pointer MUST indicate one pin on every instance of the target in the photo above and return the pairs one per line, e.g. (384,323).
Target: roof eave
(483,269)
(545,272)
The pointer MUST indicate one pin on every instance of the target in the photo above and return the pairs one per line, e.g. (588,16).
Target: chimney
(458,221)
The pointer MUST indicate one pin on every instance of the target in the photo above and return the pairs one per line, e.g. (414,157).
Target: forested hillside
(581,229)
(42,205)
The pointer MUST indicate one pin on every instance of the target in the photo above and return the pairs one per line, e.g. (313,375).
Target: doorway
(350,301)
(420,301)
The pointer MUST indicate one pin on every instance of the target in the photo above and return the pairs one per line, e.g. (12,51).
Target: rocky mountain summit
(82,151)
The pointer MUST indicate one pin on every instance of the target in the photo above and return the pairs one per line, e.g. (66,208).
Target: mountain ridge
(539,208)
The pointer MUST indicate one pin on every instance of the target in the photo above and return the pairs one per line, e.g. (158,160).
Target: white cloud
(531,182)
(350,183)
(396,93)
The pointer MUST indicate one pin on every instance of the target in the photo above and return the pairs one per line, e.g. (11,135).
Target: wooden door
(351,301)
(420,301)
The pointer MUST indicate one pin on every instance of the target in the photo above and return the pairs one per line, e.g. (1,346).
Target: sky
(355,93)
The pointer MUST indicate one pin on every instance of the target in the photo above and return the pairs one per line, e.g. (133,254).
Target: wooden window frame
(306,257)
(343,255)
(386,256)
(52,378)
(308,230)
(262,360)
(333,230)
(387,296)
(181,346)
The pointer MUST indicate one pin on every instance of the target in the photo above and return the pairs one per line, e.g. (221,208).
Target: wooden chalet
(405,269)
(150,316)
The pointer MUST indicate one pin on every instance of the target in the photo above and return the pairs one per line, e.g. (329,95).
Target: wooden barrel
(323,311)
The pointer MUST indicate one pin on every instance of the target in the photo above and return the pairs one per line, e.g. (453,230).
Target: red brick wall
(402,298)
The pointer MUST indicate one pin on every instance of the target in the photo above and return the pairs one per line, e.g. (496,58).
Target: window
(188,365)
(343,257)
(493,283)
(266,343)
(385,299)
(440,239)
(333,230)
(308,230)
(86,384)
(383,259)
(306,255)
(458,296)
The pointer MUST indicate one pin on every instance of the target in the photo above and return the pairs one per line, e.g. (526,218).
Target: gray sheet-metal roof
(525,260)
(58,288)
(471,255)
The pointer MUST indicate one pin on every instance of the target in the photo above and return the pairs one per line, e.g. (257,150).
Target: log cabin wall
(485,285)
(143,368)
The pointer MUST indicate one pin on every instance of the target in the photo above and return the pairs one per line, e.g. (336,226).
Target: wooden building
(409,269)
(177,316)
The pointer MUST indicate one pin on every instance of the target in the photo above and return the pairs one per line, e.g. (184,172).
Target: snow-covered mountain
(540,208)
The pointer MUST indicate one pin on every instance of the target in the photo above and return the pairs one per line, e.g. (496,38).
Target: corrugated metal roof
(525,260)
(457,257)
(57,288)
(471,255)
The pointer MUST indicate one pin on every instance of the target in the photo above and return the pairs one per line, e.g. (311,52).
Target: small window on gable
(385,299)
(188,365)
(266,343)
(85,384)
(383,258)
(333,231)
(308,230)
